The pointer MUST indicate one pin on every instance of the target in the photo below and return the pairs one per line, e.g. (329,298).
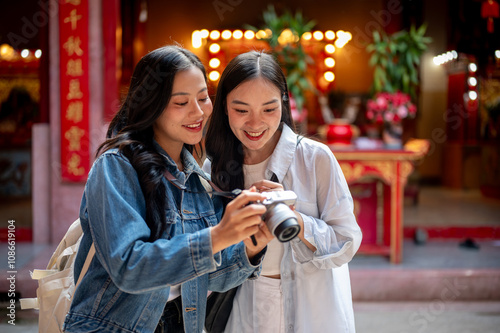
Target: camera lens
(287,230)
(282,222)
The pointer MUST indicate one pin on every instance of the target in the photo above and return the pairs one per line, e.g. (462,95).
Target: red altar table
(377,178)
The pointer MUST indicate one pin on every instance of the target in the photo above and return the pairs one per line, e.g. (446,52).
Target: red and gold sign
(74,80)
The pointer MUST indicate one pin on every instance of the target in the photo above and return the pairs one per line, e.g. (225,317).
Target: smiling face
(254,113)
(183,119)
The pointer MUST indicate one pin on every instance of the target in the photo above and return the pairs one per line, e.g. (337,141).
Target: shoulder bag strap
(86,265)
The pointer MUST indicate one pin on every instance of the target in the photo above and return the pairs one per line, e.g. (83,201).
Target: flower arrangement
(388,107)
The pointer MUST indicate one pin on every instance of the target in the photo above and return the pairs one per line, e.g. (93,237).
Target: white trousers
(268,300)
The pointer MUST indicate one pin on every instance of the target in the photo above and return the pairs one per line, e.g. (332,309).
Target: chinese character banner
(74,80)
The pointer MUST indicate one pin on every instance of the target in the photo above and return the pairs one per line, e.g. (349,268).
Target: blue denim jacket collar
(190,164)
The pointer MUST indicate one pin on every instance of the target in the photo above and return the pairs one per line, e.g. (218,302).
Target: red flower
(390,107)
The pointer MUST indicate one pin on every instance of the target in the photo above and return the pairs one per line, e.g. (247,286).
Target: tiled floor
(437,255)
(436,316)
(442,207)
(386,317)
(435,265)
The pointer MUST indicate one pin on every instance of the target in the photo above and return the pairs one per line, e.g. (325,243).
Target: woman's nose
(197,110)
(254,119)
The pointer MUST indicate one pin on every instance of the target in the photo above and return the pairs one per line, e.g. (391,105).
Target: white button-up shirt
(316,285)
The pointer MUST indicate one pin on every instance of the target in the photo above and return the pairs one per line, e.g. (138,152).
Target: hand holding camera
(241,220)
(279,217)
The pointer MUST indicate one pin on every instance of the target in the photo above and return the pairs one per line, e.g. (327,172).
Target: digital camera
(279,217)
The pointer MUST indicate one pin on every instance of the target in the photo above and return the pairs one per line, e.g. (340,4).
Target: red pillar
(111,27)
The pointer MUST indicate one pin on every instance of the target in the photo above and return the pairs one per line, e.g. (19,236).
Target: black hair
(131,130)
(223,149)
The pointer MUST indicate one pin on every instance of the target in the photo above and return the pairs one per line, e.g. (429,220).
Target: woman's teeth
(255,134)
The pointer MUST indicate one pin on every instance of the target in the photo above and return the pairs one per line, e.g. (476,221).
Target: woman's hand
(301,233)
(262,238)
(240,221)
(267,186)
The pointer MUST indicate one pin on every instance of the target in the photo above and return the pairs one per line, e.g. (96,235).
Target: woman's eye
(269,110)
(240,111)
(204,99)
(181,104)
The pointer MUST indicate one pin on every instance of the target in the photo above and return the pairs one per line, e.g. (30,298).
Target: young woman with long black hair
(161,242)
(304,285)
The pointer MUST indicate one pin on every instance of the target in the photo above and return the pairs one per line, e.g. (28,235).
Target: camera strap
(216,190)
(274,178)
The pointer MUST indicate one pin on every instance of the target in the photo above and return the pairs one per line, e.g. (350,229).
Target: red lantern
(489,11)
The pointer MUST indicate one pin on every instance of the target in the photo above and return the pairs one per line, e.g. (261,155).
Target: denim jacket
(128,281)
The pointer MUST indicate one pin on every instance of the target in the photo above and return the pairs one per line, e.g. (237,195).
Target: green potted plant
(396,60)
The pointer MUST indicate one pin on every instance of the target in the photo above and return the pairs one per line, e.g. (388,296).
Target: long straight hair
(131,130)
(223,148)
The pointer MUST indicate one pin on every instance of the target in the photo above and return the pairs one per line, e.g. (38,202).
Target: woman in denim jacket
(159,245)
(304,284)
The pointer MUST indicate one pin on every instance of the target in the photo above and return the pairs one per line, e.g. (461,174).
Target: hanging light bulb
(318,35)
(329,62)
(214,48)
(226,34)
(329,48)
(214,75)
(214,62)
(330,35)
(196,39)
(237,34)
(215,34)
(329,76)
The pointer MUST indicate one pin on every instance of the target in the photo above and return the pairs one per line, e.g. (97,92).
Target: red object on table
(339,133)
(490,11)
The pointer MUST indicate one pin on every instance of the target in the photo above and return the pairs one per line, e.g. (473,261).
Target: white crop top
(275,249)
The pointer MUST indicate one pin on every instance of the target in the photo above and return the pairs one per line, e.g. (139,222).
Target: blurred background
(427,198)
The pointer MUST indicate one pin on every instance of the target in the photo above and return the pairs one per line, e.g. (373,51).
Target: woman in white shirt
(304,284)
